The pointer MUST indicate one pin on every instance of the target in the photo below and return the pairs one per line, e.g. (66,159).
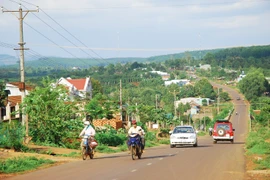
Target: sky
(132,28)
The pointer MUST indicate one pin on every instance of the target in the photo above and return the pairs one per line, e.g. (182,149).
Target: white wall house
(179,82)
(77,87)
(164,75)
(193,99)
(12,101)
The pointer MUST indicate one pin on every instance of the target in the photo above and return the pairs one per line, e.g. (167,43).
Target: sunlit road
(206,162)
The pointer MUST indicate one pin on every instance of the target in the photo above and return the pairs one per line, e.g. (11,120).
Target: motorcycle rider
(88,130)
(137,130)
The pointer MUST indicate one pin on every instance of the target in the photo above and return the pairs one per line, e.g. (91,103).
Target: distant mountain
(6,59)
(85,63)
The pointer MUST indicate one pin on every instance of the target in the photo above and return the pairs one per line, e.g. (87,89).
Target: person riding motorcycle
(137,130)
(88,130)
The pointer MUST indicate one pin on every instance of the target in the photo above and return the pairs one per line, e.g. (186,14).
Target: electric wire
(66,32)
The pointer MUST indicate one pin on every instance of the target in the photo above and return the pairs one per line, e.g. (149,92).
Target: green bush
(164,141)
(20,164)
(105,149)
(264,164)
(111,139)
(11,136)
(150,136)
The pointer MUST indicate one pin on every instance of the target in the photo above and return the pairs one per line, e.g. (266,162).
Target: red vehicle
(223,131)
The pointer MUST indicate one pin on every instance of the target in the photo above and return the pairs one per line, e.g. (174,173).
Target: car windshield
(183,130)
(223,126)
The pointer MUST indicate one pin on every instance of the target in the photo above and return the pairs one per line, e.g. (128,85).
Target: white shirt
(88,131)
(137,130)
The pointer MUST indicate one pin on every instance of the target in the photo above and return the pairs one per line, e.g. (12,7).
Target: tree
(3,94)
(101,107)
(49,114)
(203,88)
(224,96)
(254,85)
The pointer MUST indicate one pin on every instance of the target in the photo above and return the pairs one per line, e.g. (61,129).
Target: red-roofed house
(12,101)
(77,87)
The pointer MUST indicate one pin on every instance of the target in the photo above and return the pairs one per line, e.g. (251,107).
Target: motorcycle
(135,145)
(88,147)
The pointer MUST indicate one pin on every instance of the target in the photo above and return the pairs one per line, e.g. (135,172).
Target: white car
(183,135)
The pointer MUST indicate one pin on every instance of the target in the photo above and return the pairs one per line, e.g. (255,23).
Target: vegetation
(254,85)
(11,136)
(51,119)
(20,164)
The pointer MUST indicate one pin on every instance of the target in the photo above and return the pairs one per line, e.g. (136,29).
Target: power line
(157,6)
(57,33)
(68,33)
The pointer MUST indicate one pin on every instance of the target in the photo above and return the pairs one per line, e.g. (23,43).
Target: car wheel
(214,142)
(195,145)
(172,146)
(221,132)
(232,141)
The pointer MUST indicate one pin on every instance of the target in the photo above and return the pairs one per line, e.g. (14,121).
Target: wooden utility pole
(156,102)
(121,100)
(174,103)
(22,43)
(218,102)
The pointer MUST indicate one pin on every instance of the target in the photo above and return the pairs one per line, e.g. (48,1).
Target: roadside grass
(72,154)
(21,164)
(106,149)
(164,141)
(201,133)
(263,164)
(258,143)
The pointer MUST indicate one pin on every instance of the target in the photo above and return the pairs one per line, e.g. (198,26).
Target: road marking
(149,164)
(160,158)
(134,170)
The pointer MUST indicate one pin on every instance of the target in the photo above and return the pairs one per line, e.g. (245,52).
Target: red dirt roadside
(45,152)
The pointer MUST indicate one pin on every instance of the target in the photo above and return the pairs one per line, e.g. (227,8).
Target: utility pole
(218,102)
(22,43)
(156,102)
(121,100)
(174,103)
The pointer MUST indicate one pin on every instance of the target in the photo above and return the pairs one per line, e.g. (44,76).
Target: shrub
(11,136)
(111,139)
(20,164)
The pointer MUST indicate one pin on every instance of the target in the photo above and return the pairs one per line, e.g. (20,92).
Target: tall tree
(48,113)
(254,84)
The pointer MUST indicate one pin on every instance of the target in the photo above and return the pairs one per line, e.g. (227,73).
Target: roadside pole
(22,48)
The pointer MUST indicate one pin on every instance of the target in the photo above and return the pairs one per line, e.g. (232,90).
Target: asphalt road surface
(208,161)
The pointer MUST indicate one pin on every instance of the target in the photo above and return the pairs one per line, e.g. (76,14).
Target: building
(13,101)
(205,67)
(81,88)
(179,82)
(165,76)
(196,101)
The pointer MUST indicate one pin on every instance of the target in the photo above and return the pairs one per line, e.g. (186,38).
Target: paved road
(206,162)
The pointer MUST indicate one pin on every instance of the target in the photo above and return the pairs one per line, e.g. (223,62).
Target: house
(179,82)
(13,100)
(165,76)
(190,100)
(205,67)
(77,87)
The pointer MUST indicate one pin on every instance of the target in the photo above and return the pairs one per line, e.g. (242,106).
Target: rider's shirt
(88,131)
(137,130)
